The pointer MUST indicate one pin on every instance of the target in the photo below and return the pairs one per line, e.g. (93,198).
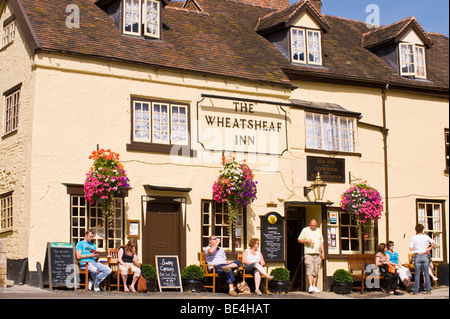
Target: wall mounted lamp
(318,188)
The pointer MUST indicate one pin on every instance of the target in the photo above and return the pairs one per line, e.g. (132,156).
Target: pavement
(29,292)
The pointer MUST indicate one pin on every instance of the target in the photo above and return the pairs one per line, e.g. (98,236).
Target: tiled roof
(282,18)
(393,32)
(221,41)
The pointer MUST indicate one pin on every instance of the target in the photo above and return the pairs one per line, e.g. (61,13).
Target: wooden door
(162,231)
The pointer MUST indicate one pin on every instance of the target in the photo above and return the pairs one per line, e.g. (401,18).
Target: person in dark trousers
(390,283)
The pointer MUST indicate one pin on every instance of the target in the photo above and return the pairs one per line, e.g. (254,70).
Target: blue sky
(433,15)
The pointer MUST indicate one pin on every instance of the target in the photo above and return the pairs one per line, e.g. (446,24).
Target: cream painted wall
(60,91)
(15,149)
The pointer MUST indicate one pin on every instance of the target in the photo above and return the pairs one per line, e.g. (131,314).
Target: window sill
(311,150)
(178,150)
(9,134)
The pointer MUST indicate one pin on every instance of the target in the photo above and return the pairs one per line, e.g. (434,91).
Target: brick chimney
(276,4)
(317,4)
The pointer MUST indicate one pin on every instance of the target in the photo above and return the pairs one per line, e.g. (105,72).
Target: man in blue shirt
(87,252)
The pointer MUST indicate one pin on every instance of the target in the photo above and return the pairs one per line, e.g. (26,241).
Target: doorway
(295,222)
(161,231)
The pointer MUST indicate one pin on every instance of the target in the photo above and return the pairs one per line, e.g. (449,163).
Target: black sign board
(330,169)
(168,271)
(272,237)
(60,265)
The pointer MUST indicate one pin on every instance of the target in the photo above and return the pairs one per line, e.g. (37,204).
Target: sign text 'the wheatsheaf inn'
(237,125)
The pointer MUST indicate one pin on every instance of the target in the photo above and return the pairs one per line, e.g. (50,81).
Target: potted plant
(192,277)
(149,273)
(281,280)
(342,282)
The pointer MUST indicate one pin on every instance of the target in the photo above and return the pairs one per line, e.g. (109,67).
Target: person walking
(312,238)
(421,245)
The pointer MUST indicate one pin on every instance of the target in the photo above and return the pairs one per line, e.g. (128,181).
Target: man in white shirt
(312,238)
(421,245)
(215,255)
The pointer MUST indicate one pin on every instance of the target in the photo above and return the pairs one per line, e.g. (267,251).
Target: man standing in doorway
(312,238)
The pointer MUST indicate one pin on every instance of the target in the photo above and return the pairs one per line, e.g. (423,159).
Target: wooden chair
(248,275)
(412,269)
(83,272)
(113,263)
(213,275)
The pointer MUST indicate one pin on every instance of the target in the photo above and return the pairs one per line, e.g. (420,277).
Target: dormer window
(141,15)
(412,60)
(306,46)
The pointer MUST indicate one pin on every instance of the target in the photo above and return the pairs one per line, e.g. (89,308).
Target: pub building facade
(172,86)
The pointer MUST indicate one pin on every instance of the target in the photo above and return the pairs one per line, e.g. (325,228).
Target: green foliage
(193,272)
(342,275)
(149,271)
(281,274)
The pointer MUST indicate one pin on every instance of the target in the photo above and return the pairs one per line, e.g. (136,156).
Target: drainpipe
(386,178)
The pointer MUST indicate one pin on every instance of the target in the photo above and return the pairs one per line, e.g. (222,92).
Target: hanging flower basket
(106,177)
(364,204)
(235,186)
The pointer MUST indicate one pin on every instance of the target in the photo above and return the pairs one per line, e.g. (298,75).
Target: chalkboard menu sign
(60,265)
(272,237)
(168,271)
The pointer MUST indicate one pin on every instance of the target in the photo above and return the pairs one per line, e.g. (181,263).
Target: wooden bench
(356,268)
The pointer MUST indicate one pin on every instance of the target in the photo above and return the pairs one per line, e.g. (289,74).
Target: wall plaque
(331,169)
(241,125)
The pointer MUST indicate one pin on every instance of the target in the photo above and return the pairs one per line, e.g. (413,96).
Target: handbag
(391,268)
(243,288)
(142,284)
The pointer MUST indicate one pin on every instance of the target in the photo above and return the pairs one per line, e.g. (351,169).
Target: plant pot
(152,285)
(279,286)
(342,288)
(192,285)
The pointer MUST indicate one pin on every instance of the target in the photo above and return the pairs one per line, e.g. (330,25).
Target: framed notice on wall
(133,228)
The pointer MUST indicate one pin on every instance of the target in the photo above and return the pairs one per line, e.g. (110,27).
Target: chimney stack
(276,4)
(317,4)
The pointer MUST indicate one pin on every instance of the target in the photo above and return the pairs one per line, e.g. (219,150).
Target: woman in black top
(128,259)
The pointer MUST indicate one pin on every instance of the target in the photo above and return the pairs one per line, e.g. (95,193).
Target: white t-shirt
(252,259)
(216,258)
(315,236)
(420,243)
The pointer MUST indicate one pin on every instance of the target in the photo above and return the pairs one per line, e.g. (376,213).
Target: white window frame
(215,222)
(175,126)
(148,24)
(85,216)
(430,215)
(326,132)
(125,20)
(416,67)
(9,34)
(12,105)
(308,46)
(296,41)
